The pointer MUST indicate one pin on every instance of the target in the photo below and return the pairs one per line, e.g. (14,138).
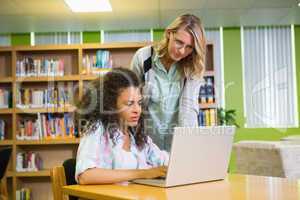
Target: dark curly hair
(99,104)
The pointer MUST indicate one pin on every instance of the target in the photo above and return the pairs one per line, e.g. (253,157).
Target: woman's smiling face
(181,44)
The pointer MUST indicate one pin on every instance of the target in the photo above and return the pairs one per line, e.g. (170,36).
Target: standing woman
(172,73)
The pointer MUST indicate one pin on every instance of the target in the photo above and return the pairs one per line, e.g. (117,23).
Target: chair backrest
(58,180)
(61,176)
(70,166)
(3,189)
(5,154)
(4,159)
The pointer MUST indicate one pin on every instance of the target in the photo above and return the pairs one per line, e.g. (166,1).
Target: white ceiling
(54,15)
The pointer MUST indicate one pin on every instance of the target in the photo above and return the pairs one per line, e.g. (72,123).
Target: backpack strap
(147,64)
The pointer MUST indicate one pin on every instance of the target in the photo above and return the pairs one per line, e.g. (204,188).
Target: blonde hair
(193,64)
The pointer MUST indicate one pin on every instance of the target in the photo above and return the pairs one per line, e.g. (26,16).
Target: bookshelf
(48,78)
(20,79)
(73,74)
(41,173)
(207,95)
(5,80)
(6,63)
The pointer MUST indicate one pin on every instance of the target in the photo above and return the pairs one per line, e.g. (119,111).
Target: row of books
(39,67)
(208,117)
(2,130)
(24,194)
(207,91)
(94,63)
(44,98)
(28,162)
(5,98)
(47,126)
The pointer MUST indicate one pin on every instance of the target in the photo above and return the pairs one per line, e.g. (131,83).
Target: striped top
(97,150)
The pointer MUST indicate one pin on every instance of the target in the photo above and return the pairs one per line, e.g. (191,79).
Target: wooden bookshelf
(6,142)
(207,105)
(6,79)
(89,77)
(52,151)
(6,111)
(41,173)
(9,174)
(116,45)
(46,110)
(209,73)
(48,141)
(6,65)
(48,78)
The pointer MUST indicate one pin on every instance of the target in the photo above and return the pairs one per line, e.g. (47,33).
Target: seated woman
(114,147)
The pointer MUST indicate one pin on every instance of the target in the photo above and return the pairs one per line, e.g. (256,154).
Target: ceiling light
(299,4)
(89,5)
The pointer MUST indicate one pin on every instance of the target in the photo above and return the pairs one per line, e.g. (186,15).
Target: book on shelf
(2,130)
(30,67)
(61,95)
(24,194)
(210,92)
(5,98)
(28,162)
(95,63)
(47,126)
(207,91)
(207,117)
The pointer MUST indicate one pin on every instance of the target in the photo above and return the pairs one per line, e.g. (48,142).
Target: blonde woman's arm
(188,104)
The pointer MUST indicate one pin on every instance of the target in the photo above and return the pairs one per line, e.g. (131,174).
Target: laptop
(198,154)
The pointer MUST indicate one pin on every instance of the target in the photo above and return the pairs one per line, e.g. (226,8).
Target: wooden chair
(70,167)
(58,180)
(3,189)
(61,176)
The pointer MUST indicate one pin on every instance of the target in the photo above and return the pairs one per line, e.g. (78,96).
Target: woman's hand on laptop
(154,172)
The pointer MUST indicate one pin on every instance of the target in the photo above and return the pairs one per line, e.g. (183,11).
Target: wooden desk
(234,187)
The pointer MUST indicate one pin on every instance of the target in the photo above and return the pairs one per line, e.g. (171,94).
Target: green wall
(158,34)
(234,89)
(233,74)
(20,39)
(91,37)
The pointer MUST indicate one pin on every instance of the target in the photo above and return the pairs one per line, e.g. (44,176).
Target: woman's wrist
(140,173)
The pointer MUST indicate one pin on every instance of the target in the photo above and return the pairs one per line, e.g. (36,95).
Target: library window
(5,40)
(270,97)
(127,36)
(57,38)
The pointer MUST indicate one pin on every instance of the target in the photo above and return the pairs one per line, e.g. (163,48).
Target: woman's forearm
(106,176)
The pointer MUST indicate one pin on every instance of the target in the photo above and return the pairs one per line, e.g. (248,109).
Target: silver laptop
(198,154)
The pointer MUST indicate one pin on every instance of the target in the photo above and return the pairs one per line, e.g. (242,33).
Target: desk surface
(234,187)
